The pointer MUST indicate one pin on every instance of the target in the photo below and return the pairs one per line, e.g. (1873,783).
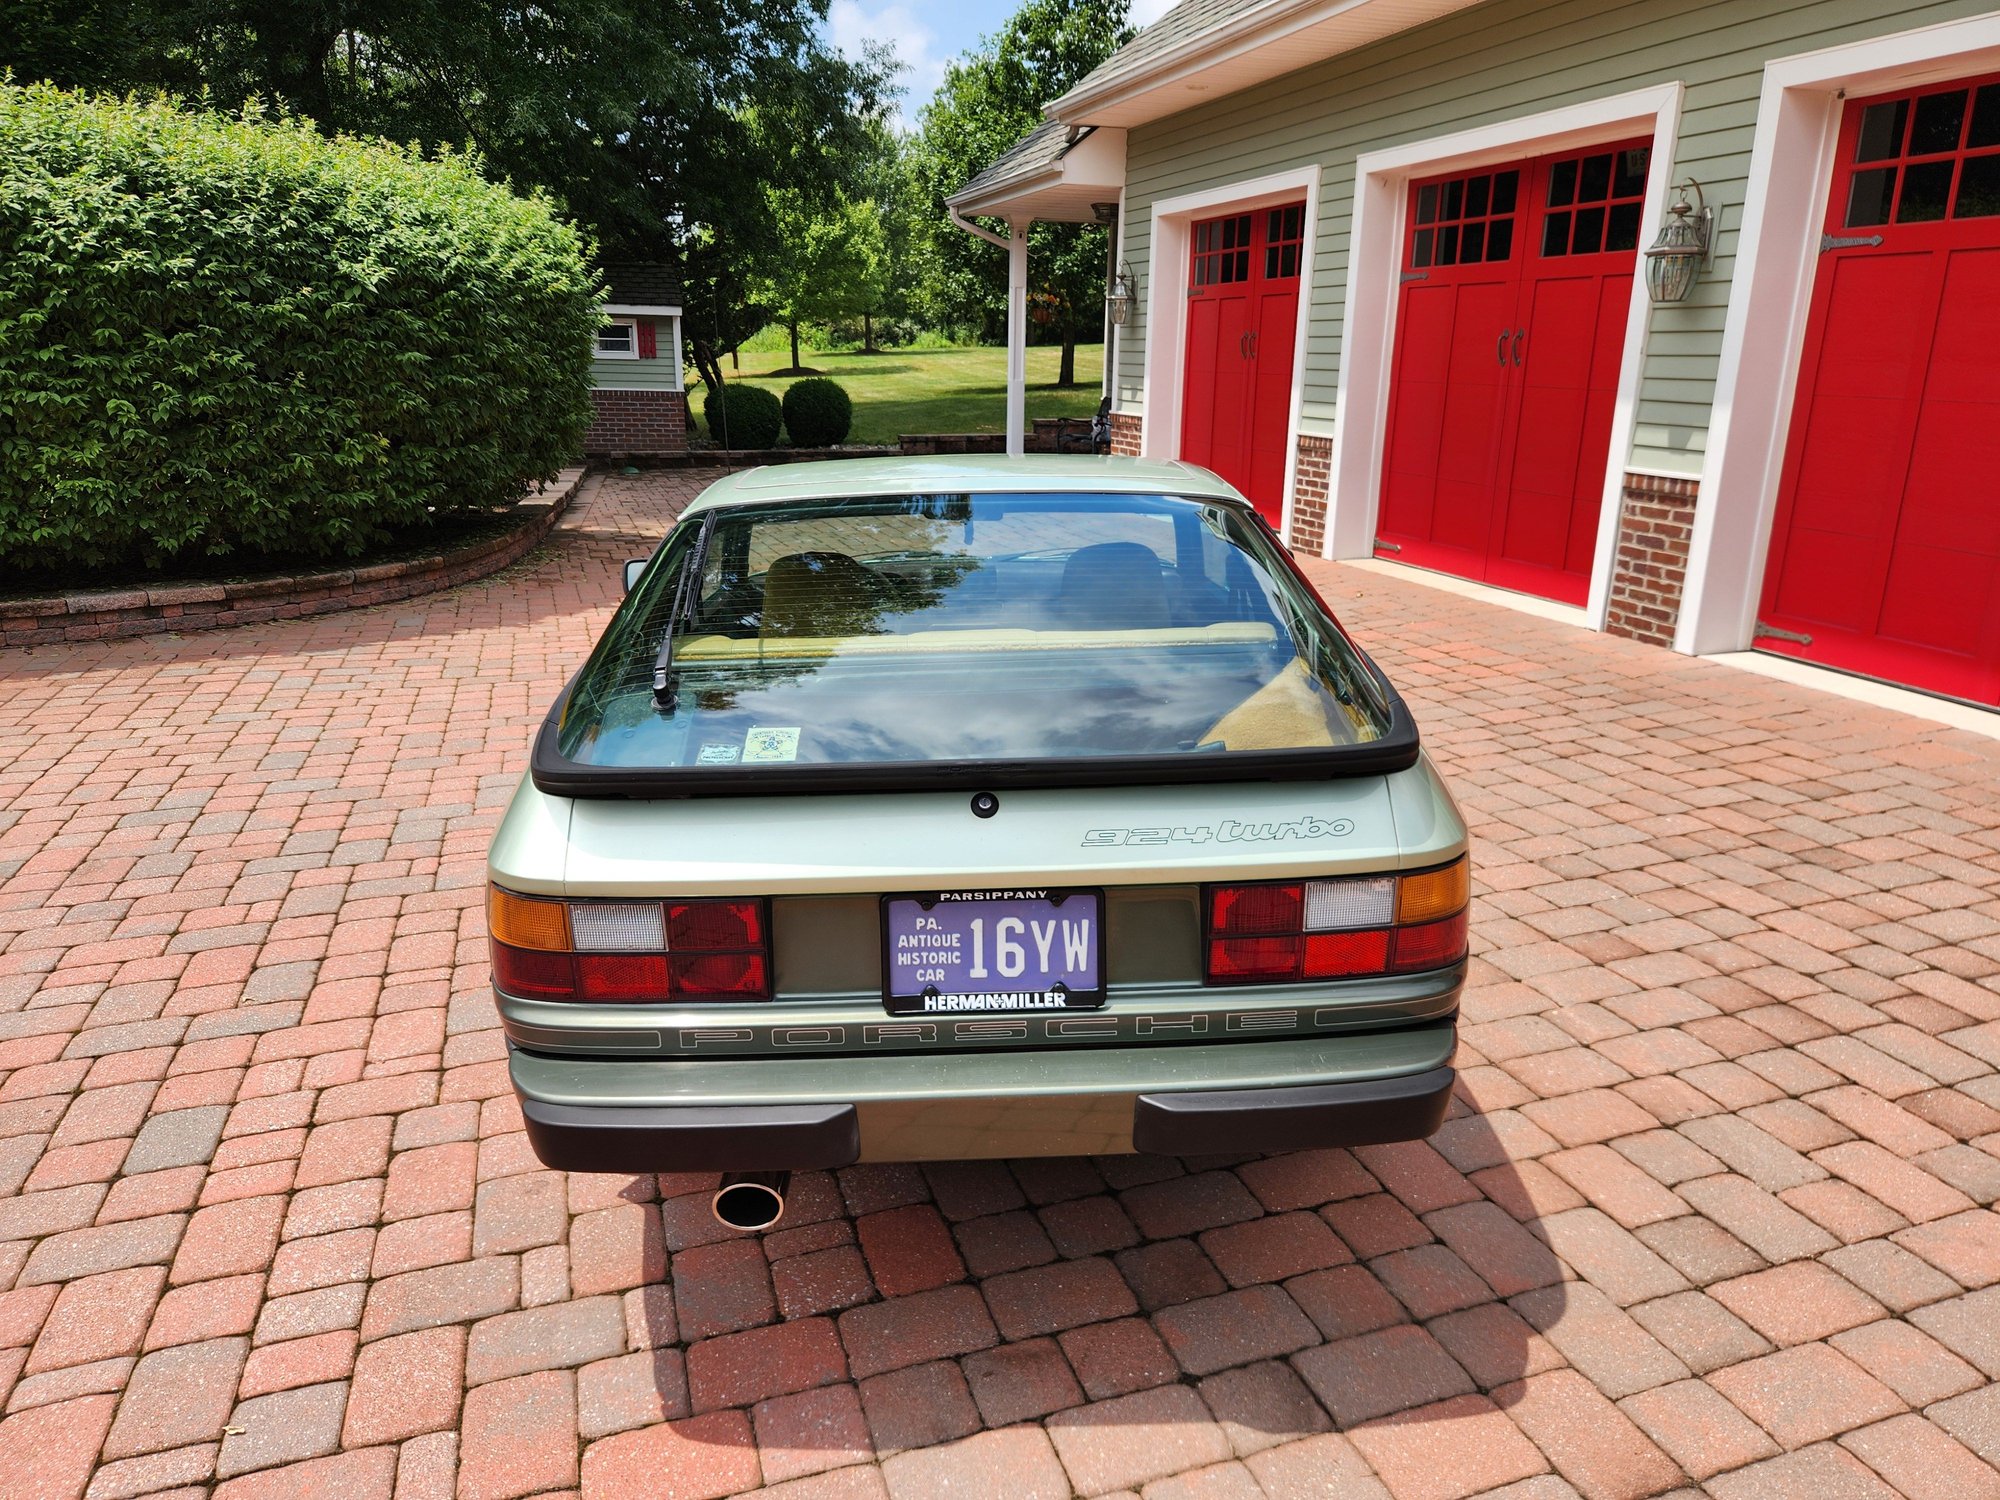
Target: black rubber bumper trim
(1373,1113)
(690,1138)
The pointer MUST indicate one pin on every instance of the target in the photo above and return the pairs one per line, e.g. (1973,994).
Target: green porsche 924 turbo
(922,809)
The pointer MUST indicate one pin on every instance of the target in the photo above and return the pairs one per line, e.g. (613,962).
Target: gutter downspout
(1015,243)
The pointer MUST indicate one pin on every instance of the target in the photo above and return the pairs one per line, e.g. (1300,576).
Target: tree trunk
(735,360)
(707,364)
(795,343)
(1066,375)
(867,333)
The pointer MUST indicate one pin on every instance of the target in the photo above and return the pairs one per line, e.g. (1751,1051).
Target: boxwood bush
(755,417)
(818,413)
(223,335)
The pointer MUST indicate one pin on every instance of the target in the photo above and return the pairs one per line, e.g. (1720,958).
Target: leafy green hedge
(222,335)
(818,412)
(755,417)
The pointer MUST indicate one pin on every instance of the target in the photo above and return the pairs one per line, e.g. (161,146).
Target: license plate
(974,952)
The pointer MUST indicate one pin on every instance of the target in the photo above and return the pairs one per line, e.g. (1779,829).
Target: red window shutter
(649,343)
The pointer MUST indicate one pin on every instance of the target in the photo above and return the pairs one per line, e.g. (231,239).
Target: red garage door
(1516,284)
(1243,308)
(1885,552)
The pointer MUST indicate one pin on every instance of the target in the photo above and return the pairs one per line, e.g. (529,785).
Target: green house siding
(1498,62)
(635,374)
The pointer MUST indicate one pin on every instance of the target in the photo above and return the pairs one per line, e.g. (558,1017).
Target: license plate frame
(959,909)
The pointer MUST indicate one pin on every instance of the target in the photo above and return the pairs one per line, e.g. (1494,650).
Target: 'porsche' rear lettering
(1228,831)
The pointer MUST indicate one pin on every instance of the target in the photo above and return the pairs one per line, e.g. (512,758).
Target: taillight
(1282,931)
(628,951)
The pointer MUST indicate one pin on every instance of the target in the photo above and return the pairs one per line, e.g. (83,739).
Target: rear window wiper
(687,588)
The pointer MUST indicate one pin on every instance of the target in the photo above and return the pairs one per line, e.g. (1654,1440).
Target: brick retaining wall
(1649,566)
(114,614)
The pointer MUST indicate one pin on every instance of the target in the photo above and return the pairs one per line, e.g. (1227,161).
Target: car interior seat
(820,594)
(1114,586)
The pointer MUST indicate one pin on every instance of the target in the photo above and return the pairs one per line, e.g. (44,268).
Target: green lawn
(934,390)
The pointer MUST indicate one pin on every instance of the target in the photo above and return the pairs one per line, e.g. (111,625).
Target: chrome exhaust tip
(750,1200)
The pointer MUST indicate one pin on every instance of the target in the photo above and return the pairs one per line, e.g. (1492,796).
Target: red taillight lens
(621,976)
(1430,946)
(629,951)
(1257,910)
(532,974)
(719,976)
(710,926)
(1239,960)
(1340,955)
(1340,927)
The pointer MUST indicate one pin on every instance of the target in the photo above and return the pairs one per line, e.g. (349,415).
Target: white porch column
(1017,337)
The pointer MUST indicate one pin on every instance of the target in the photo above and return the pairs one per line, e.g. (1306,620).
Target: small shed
(639,400)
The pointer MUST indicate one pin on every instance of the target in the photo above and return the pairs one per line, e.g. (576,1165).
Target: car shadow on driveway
(1149,1315)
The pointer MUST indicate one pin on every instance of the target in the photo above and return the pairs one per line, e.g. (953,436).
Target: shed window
(618,339)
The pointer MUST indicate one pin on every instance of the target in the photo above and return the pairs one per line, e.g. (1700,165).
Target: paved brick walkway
(1715,1209)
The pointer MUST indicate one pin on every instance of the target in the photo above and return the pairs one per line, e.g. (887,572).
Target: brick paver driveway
(1714,1208)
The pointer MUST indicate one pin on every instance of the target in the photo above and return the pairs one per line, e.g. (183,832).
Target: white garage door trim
(1777,261)
(1368,325)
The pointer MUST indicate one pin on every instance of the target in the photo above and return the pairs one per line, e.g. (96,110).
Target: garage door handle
(1500,349)
(1519,334)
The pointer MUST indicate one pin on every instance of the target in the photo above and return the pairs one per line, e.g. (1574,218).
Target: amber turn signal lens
(1433,894)
(524,922)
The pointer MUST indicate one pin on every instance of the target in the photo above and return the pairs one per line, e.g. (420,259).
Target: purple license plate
(981,951)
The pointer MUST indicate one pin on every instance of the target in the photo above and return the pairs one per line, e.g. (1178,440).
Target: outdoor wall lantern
(1677,256)
(1122,296)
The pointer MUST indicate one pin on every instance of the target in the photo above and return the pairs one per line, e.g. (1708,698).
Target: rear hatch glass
(968,631)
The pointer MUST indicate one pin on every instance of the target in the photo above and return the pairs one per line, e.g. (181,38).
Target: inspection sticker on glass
(770,744)
(717,754)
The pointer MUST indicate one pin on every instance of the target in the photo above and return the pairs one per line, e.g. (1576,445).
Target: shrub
(817,413)
(222,335)
(754,416)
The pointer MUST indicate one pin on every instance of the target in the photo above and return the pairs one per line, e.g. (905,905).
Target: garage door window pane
(1869,196)
(1555,234)
(1506,185)
(1940,117)
(1985,119)
(1882,134)
(1926,190)
(1622,232)
(1978,188)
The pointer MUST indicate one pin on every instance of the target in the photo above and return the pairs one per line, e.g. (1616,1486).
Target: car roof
(974,474)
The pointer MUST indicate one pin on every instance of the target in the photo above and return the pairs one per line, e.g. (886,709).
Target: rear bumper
(600,1115)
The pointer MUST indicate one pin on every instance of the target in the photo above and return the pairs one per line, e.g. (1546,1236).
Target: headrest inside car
(819,593)
(1114,586)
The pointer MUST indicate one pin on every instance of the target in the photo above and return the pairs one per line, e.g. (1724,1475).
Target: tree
(825,264)
(988,101)
(659,125)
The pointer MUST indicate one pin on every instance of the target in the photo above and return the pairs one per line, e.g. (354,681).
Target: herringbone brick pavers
(1714,1209)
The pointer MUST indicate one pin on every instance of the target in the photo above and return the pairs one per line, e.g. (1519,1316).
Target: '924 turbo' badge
(1228,831)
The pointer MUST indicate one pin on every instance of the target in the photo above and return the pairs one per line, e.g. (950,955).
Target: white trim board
(640,310)
(1465,588)
(1966,716)
(1166,336)
(1777,261)
(1361,400)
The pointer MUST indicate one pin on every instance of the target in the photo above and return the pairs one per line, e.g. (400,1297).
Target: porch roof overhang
(1054,173)
(1205,49)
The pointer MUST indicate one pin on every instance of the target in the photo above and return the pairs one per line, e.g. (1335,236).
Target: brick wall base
(1125,434)
(636,422)
(1314,473)
(1649,567)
